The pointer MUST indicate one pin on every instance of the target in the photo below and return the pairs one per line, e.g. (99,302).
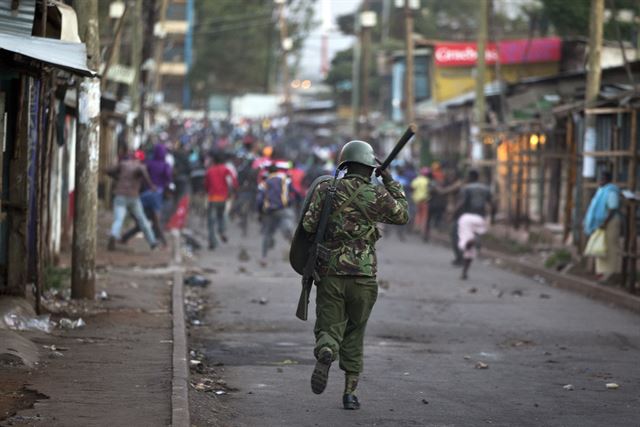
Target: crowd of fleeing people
(222,170)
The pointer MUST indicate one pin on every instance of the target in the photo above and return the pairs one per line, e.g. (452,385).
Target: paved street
(427,332)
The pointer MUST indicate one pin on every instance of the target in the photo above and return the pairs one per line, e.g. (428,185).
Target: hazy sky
(311,55)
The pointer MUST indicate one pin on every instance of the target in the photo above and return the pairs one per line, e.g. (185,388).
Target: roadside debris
(481,365)
(218,387)
(612,386)
(102,296)
(261,301)
(286,362)
(568,387)
(55,355)
(53,347)
(197,281)
(539,279)
(65,323)
(19,322)
(243,256)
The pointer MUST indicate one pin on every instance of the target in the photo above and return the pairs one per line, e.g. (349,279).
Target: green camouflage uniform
(348,289)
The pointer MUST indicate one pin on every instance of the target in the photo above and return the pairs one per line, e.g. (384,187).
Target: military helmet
(357,152)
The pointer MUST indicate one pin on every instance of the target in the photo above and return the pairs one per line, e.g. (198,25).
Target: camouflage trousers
(343,306)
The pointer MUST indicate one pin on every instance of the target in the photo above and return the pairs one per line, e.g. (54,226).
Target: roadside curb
(180,373)
(564,281)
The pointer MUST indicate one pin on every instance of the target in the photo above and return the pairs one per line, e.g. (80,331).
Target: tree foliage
(237,44)
(571,18)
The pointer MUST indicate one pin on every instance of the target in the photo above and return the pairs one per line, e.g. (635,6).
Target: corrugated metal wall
(18,21)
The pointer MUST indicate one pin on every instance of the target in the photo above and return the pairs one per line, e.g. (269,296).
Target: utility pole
(409,85)
(159,45)
(593,85)
(367,21)
(355,75)
(136,28)
(285,44)
(83,255)
(481,68)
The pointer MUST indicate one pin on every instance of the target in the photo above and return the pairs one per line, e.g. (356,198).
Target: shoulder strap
(347,202)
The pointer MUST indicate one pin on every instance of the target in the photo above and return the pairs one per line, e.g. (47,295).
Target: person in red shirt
(219,182)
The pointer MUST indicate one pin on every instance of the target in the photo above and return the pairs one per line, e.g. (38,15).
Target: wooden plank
(618,153)
(599,111)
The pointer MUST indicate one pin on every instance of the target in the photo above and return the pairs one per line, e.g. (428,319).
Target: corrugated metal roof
(60,54)
(20,21)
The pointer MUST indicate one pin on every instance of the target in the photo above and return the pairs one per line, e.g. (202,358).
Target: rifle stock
(302,312)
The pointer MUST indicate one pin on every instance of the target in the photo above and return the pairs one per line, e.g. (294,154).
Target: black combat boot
(321,371)
(349,398)
(350,401)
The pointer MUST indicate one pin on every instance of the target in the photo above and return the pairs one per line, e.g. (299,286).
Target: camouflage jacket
(352,231)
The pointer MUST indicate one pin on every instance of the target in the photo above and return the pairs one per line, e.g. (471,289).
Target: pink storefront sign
(522,51)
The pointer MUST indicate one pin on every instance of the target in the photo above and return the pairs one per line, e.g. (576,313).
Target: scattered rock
(545,296)
(384,284)
(65,323)
(472,290)
(467,357)
(425,401)
(539,279)
(286,362)
(243,256)
(280,370)
(517,293)
(568,387)
(481,365)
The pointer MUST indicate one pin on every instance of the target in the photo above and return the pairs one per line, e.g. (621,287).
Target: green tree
(571,18)
(237,44)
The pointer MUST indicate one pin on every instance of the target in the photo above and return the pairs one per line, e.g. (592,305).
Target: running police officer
(347,287)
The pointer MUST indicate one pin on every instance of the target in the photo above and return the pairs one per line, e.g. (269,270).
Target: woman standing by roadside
(604,213)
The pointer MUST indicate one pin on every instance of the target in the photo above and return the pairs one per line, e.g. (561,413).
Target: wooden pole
(159,47)
(409,85)
(136,59)
(83,272)
(632,248)
(481,69)
(284,35)
(364,68)
(115,47)
(593,84)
